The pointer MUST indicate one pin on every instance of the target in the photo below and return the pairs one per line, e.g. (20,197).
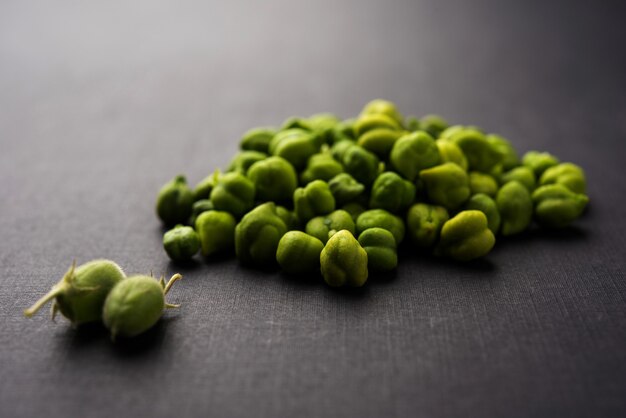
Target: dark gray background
(100,104)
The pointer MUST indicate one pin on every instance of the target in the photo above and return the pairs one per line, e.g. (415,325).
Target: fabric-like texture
(100,104)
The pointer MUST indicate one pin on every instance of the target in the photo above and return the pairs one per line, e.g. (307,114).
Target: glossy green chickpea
(447,185)
(233,193)
(295,146)
(515,207)
(80,294)
(244,160)
(391,192)
(323,124)
(433,124)
(274,179)
(556,206)
(299,253)
(312,200)
(345,188)
(174,201)
(424,223)
(481,155)
(539,161)
(504,147)
(343,261)
(204,188)
(383,107)
(323,227)
(466,236)
(199,206)
(257,139)
(380,141)
(488,206)
(524,175)
(380,218)
(567,174)
(380,246)
(451,153)
(216,231)
(413,153)
(482,183)
(136,304)
(449,132)
(361,164)
(321,167)
(181,243)
(258,234)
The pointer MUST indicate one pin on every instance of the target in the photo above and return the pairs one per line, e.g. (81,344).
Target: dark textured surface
(101,104)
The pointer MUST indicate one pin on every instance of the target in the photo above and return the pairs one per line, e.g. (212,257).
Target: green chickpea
(134,305)
(424,223)
(343,261)
(568,174)
(295,146)
(174,201)
(321,167)
(344,130)
(539,161)
(296,122)
(361,164)
(312,200)
(481,155)
(380,141)
(274,179)
(380,218)
(466,236)
(244,160)
(204,188)
(488,206)
(451,153)
(181,243)
(556,206)
(383,107)
(257,139)
(449,132)
(482,183)
(339,148)
(515,207)
(324,124)
(299,253)
(233,193)
(391,192)
(80,294)
(412,124)
(413,153)
(524,175)
(289,218)
(433,124)
(216,231)
(446,185)
(504,147)
(258,234)
(345,188)
(366,123)
(199,206)
(380,246)
(355,209)
(323,227)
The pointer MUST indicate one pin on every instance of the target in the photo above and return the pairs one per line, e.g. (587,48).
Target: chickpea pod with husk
(81,293)
(135,304)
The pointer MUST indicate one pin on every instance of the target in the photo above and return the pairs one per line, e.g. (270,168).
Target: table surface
(100,104)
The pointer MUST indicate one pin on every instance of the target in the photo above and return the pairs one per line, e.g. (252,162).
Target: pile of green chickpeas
(337,197)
